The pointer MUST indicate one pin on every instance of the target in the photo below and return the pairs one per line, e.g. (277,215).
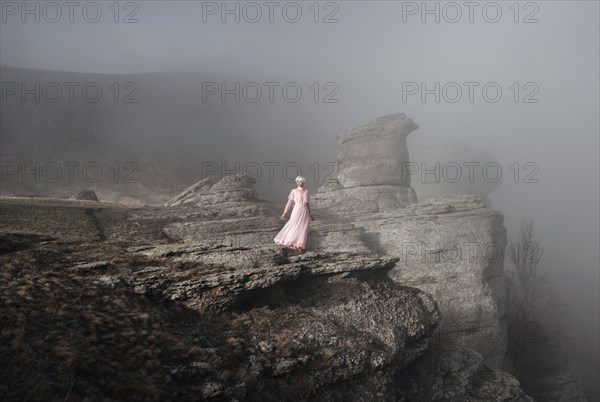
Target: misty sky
(369,53)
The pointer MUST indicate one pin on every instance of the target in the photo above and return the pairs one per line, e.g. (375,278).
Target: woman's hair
(300,178)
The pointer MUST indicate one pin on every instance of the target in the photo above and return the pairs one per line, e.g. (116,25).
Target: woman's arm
(287,206)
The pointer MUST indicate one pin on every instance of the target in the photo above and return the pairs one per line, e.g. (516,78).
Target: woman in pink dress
(293,234)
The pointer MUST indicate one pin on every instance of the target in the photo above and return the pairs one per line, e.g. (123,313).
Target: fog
(373,54)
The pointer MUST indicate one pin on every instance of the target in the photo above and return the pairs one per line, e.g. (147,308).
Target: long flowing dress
(295,231)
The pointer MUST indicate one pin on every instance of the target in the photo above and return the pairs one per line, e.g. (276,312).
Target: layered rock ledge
(356,333)
(450,246)
(222,313)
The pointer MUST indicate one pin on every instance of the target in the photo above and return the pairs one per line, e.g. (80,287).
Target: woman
(293,234)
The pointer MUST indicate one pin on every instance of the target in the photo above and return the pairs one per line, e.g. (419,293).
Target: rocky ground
(105,302)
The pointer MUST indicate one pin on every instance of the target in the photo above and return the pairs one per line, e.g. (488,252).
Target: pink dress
(295,231)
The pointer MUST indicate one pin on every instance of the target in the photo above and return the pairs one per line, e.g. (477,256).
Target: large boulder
(375,153)
(450,246)
(371,168)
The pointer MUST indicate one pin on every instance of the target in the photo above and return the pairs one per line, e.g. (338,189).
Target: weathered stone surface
(331,316)
(248,269)
(92,266)
(230,189)
(347,339)
(375,153)
(190,194)
(370,240)
(219,287)
(250,231)
(452,247)
(371,164)
(364,199)
(245,320)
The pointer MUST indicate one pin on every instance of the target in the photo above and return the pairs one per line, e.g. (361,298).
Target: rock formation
(192,194)
(369,227)
(451,246)
(232,188)
(375,153)
(371,164)
(351,332)
(224,314)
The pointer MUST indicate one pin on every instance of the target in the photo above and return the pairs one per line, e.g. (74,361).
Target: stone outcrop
(375,153)
(233,188)
(323,321)
(357,331)
(202,298)
(352,318)
(450,246)
(192,194)
(365,199)
(371,164)
(215,289)
(329,319)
